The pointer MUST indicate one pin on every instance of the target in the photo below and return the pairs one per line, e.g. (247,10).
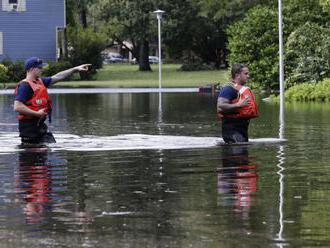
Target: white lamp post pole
(159,14)
(281,68)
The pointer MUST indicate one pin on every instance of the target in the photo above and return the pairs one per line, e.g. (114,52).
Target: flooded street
(126,173)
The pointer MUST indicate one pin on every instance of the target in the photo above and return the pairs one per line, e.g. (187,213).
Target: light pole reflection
(280,165)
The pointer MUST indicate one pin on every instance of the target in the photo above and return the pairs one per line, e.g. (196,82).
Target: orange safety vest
(250,111)
(40,99)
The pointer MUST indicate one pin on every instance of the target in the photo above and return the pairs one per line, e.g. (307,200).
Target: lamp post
(159,14)
(281,68)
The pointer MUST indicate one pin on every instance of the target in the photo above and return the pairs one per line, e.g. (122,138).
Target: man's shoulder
(23,84)
(228,88)
(228,92)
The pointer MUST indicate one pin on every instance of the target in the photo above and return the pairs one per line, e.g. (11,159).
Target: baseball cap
(34,62)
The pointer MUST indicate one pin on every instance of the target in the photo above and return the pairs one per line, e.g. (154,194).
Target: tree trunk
(83,17)
(143,60)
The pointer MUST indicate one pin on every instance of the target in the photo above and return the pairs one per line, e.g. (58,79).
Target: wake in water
(9,142)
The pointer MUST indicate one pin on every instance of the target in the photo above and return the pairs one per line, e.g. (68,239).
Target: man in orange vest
(33,103)
(236,106)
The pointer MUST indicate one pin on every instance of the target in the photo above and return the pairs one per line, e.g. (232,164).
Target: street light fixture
(159,14)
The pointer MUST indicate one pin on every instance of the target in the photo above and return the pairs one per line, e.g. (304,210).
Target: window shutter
(21,5)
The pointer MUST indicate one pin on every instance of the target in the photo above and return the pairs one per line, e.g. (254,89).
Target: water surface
(145,176)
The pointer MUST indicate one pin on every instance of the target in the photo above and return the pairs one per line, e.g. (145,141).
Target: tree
(85,48)
(128,20)
(254,39)
(77,12)
(217,15)
(308,54)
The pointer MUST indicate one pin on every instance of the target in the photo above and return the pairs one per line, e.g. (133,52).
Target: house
(31,28)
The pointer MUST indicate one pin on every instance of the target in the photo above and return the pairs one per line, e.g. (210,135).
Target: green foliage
(85,46)
(201,28)
(77,12)
(253,41)
(228,11)
(309,92)
(325,4)
(128,20)
(195,65)
(16,71)
(3,74)
(308,54)
(55,67)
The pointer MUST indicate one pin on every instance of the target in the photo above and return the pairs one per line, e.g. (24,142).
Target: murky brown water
(259,195)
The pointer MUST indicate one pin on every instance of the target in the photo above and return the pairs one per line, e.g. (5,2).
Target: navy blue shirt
(229,93)
(25,92)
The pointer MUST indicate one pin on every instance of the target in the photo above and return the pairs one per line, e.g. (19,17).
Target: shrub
(196,66)
(85,47)
(55,67)
(3,74)
(195,63)
(304,92)
(254,40)
(16,70)
(308,54)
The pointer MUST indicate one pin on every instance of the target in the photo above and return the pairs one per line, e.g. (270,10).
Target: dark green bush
(85,47)
(305,92)
(16,70)
(254,41)
(3,75)
(308,54)
(194,63)
(55,67)
(196,66)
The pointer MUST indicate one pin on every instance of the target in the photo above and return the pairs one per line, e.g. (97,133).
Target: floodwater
(127,173)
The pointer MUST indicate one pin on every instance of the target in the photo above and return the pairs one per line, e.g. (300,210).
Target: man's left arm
(64,74)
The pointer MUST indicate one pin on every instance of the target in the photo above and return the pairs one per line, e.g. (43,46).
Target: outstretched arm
(64,74)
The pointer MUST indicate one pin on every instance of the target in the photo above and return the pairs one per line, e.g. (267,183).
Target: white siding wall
(21,5)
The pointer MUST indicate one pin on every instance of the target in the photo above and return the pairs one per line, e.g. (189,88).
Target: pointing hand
(83,67)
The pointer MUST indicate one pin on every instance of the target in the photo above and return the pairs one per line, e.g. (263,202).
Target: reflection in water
(280,164)
(160,114)
(40,183)
(34,184)
(237,179)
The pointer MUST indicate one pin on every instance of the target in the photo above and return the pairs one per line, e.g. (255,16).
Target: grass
(128,76)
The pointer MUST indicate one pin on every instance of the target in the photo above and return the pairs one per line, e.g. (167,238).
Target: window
(14,5)
(1,44)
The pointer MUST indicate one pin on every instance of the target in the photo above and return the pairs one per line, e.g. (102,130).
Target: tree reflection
(237,179)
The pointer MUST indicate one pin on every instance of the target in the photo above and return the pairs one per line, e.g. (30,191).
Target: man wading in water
(236,106)
(33,103)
